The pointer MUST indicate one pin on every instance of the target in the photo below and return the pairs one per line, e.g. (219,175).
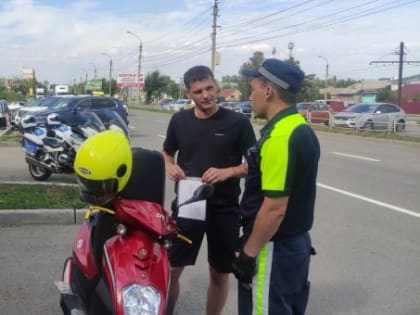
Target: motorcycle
(51,147)
(119,263)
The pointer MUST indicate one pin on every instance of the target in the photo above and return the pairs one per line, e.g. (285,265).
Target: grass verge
(11,138)
(368,134)
(32,196)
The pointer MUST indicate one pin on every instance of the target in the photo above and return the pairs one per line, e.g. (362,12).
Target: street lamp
(94,69)
(139,65)
(326,76)
(86,78)
(110,72)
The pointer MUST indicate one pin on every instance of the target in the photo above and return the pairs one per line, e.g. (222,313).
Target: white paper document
(195,210)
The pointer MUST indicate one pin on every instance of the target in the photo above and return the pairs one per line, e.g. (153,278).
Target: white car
(180,104)
(371,116)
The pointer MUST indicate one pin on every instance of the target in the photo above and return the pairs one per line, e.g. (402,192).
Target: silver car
(372,116)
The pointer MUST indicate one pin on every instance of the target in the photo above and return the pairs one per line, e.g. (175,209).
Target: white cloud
(61,42)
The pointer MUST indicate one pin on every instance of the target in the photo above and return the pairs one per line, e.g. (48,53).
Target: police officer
(272,265)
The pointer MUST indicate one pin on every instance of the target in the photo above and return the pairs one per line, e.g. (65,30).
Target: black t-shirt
(219,141)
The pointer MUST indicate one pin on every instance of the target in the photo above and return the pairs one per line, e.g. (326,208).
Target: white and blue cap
(286,75)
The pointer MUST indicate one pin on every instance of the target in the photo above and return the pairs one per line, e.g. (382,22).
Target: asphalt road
(366,232)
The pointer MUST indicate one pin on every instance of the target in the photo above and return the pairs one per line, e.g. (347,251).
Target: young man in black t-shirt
(210,143)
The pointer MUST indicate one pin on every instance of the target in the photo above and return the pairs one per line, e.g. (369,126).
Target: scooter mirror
(202,192)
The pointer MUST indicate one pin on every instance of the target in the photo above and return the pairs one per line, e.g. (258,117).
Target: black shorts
(222,231)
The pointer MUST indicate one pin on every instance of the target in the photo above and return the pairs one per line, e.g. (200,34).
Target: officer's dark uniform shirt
(283,163)
(219,141)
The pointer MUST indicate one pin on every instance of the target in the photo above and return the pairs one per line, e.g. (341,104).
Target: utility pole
(139,74)
(326,76)
(400,69)
(291,46)
(94,69)
(180,88)
(110,73)
(139,65)
(213,35)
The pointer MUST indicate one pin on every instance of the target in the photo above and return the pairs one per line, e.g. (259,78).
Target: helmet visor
(97,192)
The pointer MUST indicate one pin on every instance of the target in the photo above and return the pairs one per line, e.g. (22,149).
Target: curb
(18,217)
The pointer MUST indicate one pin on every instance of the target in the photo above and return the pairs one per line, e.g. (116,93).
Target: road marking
(356,156)
(376,202)
(161,136)
(131,127)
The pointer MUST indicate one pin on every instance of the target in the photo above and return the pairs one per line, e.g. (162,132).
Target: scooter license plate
(29,146)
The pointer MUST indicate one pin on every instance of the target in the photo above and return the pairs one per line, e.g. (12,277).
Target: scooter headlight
(142,300)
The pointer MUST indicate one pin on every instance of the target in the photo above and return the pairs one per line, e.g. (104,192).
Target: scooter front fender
(135,258)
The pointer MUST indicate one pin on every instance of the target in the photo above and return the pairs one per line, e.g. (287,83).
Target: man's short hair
(197,73)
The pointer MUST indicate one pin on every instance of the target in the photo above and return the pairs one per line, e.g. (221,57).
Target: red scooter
(120,263)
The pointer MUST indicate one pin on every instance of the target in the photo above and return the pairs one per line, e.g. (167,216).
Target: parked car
(320,111)
(371,116)
(180,104)
(36,105)
(228,105)
(333,105)
(243,108)
(14,106)
(303,108)
(316,112)
(68,107)
(163,103)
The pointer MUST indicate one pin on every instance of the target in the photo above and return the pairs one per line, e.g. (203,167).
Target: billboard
(129,79)
(28,74)
(94,85)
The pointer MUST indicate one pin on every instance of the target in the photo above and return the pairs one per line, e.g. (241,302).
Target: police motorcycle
(119,263)
(112,120)
(50,147)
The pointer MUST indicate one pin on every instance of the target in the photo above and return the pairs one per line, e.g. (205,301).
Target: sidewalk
(15,217)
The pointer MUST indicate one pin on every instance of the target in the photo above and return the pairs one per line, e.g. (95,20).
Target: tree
(253,63)
(156,84)
(386,95)
(309,90)
(293,61)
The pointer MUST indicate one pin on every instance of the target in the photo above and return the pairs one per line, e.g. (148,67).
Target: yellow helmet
(103,166)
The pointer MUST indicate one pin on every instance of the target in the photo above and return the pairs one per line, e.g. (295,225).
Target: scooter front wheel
(38,173)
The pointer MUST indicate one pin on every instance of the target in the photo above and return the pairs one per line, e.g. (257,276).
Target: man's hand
(215,175)
(244,268)
(174,172)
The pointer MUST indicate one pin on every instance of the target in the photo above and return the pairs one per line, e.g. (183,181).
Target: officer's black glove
(244,267)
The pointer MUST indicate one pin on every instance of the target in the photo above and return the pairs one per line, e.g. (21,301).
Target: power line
(249,40)
(400,63)
(265,22)
(296,25)
(193,19)
(260,18)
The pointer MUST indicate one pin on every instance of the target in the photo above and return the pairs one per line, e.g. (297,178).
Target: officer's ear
(269,90)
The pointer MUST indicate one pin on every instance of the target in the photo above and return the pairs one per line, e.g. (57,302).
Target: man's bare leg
(173,289)
(217,292)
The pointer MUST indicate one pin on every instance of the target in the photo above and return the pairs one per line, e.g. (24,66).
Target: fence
(407,125)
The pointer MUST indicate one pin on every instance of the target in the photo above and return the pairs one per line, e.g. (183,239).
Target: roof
(370,85)
(227,92)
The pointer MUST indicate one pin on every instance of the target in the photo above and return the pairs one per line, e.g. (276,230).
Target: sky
(66,40)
